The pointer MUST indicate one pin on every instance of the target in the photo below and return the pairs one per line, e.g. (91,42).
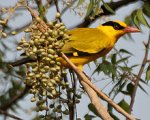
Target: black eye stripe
(115,25)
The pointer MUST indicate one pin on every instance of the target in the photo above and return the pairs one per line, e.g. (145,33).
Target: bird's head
(117,28)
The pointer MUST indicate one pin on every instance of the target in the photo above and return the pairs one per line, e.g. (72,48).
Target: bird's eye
(116,27)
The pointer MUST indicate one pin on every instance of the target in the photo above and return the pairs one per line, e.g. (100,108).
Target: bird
(88,44)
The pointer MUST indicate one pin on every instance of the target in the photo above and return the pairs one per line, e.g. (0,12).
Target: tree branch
(21,62)
(99,92)
(113,5)
(139,75)
(9,115)
(15,99)
(96,102)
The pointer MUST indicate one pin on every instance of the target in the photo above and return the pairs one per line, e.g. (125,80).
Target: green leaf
(89,117)
(93,109)
(115,88)
(143,89)
(125,92)
(114,116)
(90,8)
(130,88)
(108,8)
(123,60)
(146,7)
(113,59)
(141,17)
(80,2)
(128,20)
(135,19)
(133,66)
(148,73)
(110,110)
(124,68)
(125,51)
(124,105)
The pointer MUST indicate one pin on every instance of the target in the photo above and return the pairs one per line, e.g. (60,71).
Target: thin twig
(99,92)
(15,99)
(139,75)
(57,8)
(9,115)
(21,62)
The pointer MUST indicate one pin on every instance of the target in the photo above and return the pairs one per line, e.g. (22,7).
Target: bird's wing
(86,40)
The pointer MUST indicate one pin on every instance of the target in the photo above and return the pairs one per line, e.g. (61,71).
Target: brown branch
(99,92)
(113,5)
(96,102)
(21,62)
(69,98)
(139,75)
(9,115)
(14,100)
(148,61)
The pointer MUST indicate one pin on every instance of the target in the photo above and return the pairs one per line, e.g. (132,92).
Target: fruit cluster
(44,75)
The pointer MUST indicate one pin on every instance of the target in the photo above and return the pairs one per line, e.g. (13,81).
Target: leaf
(89,117)
(146,7)
(141,18)
(124,68)
(133,66)
(90,8)
(143,89)
(128,20)
(125,51)
(113,59)
(130,88)
(136,22)
(123,60)
(116,86)
(107,68)
(125,92)
(114,116)
(148,73)
(134,18)
(106,6)
(93,109)
(80,2)
(124,105)
(110,110)
(143,81)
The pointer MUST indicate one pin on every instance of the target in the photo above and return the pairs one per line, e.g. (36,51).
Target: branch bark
(96,102)
(9,115)
(139,75)
(99,92)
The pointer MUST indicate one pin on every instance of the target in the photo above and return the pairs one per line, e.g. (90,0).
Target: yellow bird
(88,44)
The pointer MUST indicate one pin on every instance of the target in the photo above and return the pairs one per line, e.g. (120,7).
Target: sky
(142,101)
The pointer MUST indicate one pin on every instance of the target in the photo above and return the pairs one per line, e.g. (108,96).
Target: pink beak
(130,29)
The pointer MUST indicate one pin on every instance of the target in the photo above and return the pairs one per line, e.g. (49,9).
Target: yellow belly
(79,61)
